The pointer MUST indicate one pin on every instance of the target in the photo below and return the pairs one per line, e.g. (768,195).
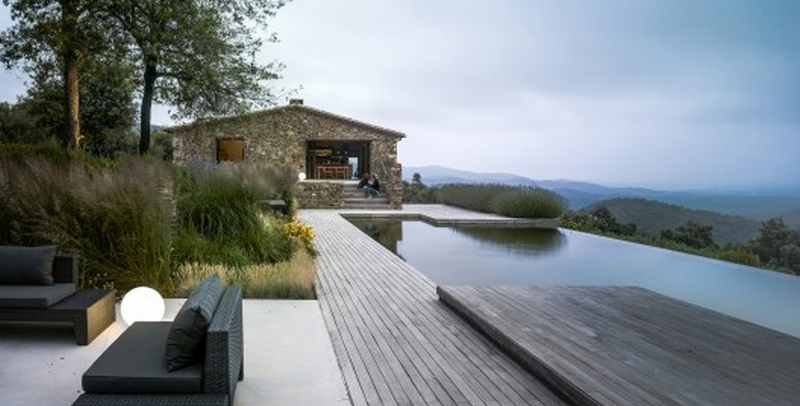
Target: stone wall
(280,135)
(319,195)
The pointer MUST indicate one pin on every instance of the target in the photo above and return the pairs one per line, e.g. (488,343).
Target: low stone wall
(319,195)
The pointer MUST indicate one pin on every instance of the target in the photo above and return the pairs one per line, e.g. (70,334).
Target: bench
(134,371)
(90,311)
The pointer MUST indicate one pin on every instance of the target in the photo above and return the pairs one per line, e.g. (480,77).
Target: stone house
(330,151)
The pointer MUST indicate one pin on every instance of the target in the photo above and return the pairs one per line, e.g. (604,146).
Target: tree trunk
(150,76)
(69,25)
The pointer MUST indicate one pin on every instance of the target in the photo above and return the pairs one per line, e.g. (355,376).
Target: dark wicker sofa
(90,311)
(132,371)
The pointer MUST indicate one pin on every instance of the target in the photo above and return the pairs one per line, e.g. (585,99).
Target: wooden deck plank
(630,346)
(395,340)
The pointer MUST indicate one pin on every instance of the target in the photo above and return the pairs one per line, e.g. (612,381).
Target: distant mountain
(755,205)
(651,217)
(437,175)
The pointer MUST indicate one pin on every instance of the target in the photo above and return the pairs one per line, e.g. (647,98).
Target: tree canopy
(198,56)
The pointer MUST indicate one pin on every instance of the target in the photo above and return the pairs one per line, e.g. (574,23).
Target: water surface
(504,256)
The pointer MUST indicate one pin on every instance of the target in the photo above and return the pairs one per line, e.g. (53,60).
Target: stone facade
(283,136)
(320,195)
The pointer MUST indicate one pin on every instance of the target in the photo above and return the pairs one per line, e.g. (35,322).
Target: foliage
(162,145)
(16,125)
(23,151)
(220,215)
(41,41)
(293,279)
(299,233)
(418,192)
(692,234)
(56,39)
(778,246)
(198,56)
(530,203)
(651,217)
(598,220)
(512,201)
(117,219)
(134,222)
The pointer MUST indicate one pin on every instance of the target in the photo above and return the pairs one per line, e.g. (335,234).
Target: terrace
(379,334)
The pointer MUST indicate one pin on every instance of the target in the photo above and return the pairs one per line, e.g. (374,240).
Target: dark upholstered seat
(133,370)
(135,364)
(35,296)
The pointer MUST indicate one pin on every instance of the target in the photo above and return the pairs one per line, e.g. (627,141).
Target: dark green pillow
(27,265)
(187,336)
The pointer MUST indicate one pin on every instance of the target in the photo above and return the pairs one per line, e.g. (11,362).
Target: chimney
(295,102)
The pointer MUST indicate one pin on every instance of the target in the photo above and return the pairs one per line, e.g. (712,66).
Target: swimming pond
(512,256)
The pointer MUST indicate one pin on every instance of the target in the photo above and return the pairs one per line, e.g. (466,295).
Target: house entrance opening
(329,159)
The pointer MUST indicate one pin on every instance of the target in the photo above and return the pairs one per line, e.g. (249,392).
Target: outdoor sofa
(37,284)
(195,360)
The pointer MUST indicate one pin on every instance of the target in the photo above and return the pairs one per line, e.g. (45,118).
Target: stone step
(364,200)
(371,206)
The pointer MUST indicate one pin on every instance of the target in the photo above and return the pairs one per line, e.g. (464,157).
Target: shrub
(740,256)
(132,226)
(221,218)
(511,201)
(531,203)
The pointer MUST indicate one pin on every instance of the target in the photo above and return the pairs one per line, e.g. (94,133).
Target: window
(230,150)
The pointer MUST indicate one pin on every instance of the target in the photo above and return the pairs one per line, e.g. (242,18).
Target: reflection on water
(516,241)
(503,256)
(385,231)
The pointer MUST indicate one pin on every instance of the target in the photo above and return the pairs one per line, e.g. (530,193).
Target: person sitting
(364,180)
(373,187)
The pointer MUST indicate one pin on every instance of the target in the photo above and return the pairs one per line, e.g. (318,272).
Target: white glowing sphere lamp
(142,304)
(301,176)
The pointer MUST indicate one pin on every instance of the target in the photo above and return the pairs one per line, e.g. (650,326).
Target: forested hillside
(651,217)
(792,218)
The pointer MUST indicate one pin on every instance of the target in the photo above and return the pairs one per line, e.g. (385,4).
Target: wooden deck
(443,215)
(395,342)
(630,346)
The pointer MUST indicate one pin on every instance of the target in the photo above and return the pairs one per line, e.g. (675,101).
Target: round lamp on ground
(142,304)
(301,176)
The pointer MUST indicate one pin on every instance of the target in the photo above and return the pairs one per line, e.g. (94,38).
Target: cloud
(679,93)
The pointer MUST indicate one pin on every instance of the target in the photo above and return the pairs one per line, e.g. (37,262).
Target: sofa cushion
(187,337)
(26,265)
(34,296)
(134,363)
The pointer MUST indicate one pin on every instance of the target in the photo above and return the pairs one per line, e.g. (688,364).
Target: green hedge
(510,201)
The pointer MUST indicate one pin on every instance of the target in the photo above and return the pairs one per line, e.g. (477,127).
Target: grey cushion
(187,337)
(27,265)
(134,363)
(34,296)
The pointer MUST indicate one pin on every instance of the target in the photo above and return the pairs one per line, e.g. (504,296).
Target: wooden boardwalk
(395,342)
(630,346)
(442,215)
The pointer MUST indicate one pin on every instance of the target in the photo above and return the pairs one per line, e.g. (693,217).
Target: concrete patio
(289,359)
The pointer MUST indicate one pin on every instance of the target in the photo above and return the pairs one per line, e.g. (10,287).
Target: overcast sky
(668,94)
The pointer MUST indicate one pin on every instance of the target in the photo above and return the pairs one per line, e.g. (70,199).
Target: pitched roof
(291,107)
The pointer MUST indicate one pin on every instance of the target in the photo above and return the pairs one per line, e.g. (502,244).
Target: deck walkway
(618,346)
(443,215)
(395,342)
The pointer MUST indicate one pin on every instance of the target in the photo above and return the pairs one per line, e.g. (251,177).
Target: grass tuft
(292,279)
